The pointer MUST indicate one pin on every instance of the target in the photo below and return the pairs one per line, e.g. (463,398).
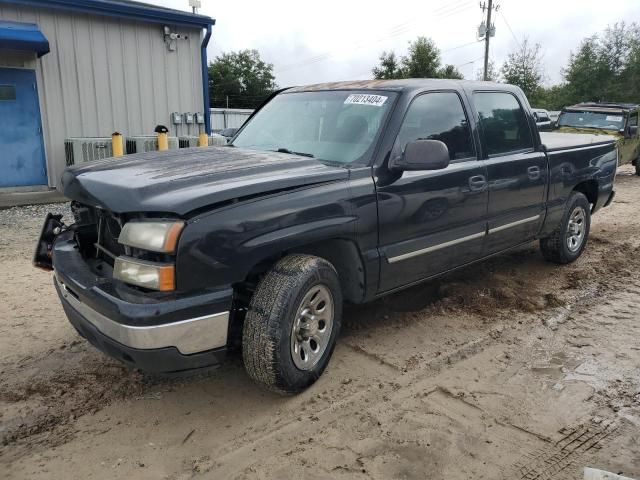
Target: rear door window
(503,122)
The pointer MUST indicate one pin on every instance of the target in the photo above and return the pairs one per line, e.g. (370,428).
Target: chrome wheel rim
(312,327)
(576,229)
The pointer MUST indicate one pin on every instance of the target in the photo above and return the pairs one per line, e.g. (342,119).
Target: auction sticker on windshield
(614,118)
(364,99)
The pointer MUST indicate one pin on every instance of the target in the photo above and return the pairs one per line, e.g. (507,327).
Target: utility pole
(489,32)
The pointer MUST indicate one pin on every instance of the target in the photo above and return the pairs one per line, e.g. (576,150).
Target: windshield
(334,126)
(607,121)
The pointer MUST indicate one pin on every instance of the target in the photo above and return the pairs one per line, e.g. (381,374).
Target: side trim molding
(513,224)
(434,248)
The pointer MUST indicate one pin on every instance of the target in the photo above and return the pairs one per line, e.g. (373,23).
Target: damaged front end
(51,228)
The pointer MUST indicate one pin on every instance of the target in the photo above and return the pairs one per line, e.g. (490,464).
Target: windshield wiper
(291,152)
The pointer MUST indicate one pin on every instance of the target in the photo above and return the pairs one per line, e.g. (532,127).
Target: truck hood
(180,181)
(592,131)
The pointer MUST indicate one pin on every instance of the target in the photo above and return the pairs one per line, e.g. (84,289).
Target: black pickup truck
(331,193)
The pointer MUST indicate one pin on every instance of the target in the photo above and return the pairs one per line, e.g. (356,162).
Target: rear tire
(291,326)
(637,164)
(569,239)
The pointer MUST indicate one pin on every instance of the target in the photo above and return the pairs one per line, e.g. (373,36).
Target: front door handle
(477,182)
(533,173)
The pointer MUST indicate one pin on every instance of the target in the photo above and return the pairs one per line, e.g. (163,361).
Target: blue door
(22,159)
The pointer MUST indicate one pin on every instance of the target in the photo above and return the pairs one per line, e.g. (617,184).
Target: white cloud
(338,40)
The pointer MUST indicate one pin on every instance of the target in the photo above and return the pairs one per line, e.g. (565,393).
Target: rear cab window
(503,122)
(437,116)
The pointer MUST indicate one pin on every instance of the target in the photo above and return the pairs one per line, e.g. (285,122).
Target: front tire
(291,326)
(569,239)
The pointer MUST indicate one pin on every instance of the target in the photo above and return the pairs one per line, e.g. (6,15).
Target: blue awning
(23,36)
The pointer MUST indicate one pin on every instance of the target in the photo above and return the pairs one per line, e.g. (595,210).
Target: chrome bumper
(188,336)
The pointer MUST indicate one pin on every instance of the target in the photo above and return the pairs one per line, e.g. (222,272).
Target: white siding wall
(104,74)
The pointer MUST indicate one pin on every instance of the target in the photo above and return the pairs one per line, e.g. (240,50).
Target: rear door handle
(477,182)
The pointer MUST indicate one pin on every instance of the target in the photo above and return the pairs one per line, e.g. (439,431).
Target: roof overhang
(140,12)
(23,36)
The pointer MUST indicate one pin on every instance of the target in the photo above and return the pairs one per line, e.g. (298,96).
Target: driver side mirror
(422,155)
(632,131)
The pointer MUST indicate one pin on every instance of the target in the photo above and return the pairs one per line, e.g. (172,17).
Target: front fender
(223,246)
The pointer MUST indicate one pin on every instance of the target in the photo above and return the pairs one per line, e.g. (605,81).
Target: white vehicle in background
(554,115)
(543,119)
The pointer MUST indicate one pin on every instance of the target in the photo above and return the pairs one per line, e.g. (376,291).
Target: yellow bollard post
(203,139)
(163,138)
(117,144)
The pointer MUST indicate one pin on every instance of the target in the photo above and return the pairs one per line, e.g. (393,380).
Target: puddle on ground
(595,374)
(556,367)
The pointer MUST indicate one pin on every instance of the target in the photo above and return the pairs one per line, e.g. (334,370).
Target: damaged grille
(97,233)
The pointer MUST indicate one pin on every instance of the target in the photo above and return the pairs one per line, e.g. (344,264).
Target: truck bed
(555,141)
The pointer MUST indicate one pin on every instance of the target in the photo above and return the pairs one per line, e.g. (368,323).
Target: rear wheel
(637,164)
(569,239)
(292,324)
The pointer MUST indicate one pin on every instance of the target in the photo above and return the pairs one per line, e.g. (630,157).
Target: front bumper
(157,333)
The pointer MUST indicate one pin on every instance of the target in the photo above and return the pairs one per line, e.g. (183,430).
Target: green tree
(630,75)
(389,67)
(492,73)
(422,61)
(242,78)
(523,68)
(606,67)
(588,72)
(450,71)
(553,98)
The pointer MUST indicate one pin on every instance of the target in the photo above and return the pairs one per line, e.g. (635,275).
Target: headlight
(155,236)
(156,276)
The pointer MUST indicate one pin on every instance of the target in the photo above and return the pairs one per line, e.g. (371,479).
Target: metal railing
(222,118)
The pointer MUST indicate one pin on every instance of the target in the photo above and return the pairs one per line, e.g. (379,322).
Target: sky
(334,40)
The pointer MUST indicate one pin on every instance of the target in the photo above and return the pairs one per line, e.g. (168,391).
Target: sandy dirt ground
(514,368)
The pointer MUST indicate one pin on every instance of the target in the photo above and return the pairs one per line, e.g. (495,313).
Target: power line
(469,62)
(510,29)
(460,46)
(444,12)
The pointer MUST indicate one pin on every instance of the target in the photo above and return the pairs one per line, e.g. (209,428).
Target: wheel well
(342,254)
(590,190)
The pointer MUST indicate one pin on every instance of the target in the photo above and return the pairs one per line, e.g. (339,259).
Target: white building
(88,68)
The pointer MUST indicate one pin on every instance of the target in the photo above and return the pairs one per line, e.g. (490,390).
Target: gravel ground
(512,369)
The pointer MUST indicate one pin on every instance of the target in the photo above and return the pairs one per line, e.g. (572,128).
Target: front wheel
(569,239)
(292,324)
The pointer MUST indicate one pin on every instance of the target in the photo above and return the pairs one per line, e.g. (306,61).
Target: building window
(7,93)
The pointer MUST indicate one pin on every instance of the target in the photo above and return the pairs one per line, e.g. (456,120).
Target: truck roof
(408,84)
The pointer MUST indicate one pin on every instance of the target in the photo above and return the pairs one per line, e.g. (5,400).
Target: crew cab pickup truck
(331,193)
